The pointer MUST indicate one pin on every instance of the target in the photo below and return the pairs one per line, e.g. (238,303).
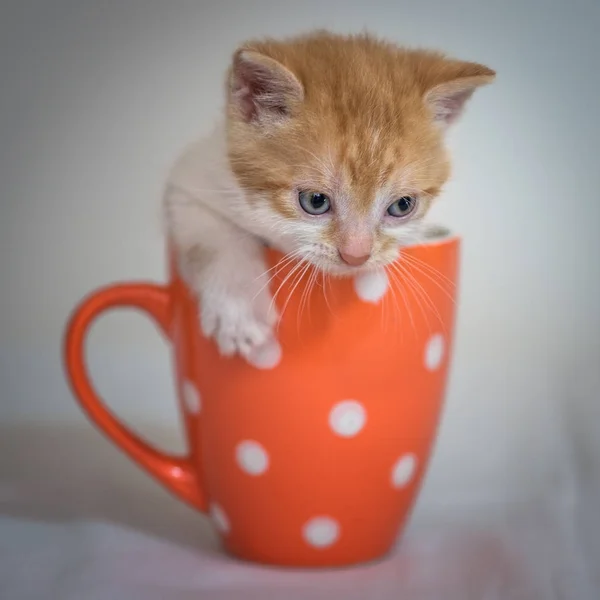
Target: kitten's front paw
(238,324)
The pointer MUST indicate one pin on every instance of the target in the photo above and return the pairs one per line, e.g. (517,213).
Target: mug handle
(174,472)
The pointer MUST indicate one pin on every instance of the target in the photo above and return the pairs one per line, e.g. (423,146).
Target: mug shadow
(59,473)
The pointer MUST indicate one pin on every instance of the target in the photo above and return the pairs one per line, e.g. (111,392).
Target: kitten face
(338,142)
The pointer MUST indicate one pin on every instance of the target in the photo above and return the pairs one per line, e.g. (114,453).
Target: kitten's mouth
(340,269)
(337,267)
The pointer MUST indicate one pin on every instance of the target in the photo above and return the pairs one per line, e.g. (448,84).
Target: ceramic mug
(315,458)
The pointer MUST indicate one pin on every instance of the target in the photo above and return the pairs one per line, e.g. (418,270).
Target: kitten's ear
(449,84)
(262,89)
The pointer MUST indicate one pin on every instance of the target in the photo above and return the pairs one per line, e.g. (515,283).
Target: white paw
(238,323)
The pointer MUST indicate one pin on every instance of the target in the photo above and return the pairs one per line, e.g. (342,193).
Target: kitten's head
(338,141)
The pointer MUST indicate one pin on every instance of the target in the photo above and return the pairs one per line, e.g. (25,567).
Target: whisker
(326,168)
(282,262)
(305,299)
(423,293)
(436,282)
(325,280)
(405,275)
(301,303)
(311,286)
(395,310)
(280,265)
(295,285)
(408,288)
(434,272)
(398,279)
(384,303)
(291,273)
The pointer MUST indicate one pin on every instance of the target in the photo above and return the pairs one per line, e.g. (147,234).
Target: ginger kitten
(332,150)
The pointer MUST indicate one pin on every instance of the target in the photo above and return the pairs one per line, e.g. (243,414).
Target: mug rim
(435,235)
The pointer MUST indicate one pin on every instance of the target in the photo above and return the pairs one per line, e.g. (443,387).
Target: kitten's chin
(341,270)
(331,264)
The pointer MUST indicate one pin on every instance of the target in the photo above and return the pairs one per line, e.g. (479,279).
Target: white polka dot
(371,286)
(191,397)
(266,356)
(321,532)
(434,352)
(252,457)
(403,470)
(219,518)
(347,418)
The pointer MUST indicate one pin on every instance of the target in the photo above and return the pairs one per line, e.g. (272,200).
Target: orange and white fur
(331,150)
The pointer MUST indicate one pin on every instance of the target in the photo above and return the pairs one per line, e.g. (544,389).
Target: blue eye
(402,207)
(314,203)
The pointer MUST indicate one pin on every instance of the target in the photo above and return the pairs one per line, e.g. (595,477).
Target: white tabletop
(79,521)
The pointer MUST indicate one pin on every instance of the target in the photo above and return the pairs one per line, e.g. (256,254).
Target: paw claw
(265,356)
(235,323)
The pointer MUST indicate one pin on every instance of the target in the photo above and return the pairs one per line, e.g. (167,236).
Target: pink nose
(353,260)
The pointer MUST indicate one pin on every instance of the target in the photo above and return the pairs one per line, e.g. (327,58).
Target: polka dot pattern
(347,418)
(309,456)
(191,398)
(403,470)
(371,286)
(434,352)
(321,532)
(252,458)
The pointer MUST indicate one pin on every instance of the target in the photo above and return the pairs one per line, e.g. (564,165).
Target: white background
(95,103)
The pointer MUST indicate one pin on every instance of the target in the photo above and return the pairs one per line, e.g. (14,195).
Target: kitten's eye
(314,203)
(402,207)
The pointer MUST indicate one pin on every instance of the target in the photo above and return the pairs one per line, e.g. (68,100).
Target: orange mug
(315,459)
